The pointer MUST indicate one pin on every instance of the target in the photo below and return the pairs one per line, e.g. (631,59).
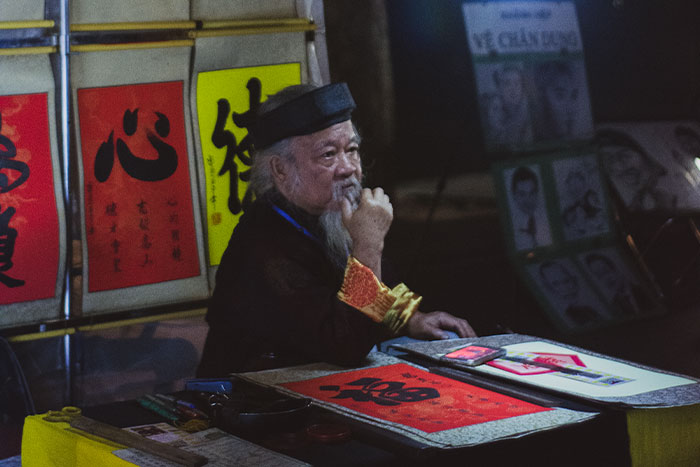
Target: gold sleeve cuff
(404,306)
(363,291)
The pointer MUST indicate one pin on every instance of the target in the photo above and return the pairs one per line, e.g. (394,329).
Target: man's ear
(279,170)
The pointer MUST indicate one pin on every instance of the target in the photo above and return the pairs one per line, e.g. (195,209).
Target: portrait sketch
(526,204)
(622,288)
(651,165)
(561,104)
(582,203)
(685,150)
(568,295)
(504,93)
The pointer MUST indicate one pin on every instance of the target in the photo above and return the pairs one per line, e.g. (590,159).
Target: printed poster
(530,74)
(226,99)
(138,198)
(29,225)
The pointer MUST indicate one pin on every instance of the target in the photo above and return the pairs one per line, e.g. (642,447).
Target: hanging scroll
(226,88)
(530,74)
(142,245)
(109,11)
(32,219)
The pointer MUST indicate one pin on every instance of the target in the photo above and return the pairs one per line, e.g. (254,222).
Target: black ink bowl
(250,417)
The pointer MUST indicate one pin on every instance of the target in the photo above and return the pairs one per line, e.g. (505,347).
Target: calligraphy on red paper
(29,229)
(413,397)
(138,198)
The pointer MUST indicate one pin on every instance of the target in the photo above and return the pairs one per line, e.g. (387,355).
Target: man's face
(559,280)
(326,159)
(561,97)
(625,164)
(525,195)
(511,85)
(605,274)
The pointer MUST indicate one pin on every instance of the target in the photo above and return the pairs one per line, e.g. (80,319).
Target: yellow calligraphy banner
(224,102)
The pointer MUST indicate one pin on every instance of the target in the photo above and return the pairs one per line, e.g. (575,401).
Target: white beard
(336,236)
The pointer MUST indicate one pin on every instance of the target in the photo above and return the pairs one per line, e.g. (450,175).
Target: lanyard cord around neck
(296,225)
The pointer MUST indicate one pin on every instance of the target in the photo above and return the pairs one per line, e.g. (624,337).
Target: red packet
(473,355)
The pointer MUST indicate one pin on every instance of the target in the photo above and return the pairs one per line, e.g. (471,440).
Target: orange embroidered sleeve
(363,291)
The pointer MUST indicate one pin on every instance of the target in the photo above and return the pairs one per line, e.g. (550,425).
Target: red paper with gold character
(407,395)
(138,198)
(29,229)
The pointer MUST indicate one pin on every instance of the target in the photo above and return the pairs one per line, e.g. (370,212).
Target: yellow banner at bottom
(57,444)
(665,436)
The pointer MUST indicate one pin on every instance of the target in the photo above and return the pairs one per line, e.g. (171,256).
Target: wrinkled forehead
(336,136)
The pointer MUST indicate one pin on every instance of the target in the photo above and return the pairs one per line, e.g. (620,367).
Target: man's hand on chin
(433,325)
(367,226)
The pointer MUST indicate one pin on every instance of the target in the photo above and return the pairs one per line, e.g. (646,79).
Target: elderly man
(302,277)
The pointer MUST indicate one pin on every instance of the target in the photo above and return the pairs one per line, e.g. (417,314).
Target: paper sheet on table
(655,388)
(222,449)
(643,380)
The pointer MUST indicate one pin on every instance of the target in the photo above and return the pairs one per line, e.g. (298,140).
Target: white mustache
(351,189)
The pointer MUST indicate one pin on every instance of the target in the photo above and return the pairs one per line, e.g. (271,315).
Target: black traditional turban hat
(303,115)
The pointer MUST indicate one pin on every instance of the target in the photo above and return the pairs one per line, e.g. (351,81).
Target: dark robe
(275,301)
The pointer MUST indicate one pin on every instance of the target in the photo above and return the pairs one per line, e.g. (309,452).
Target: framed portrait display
(566,295)
(553,200)
(559,228)
(530,74)
(586,289)
(628,293)
(652,166)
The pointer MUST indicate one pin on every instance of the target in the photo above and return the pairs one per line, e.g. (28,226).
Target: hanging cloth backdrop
(244,9)
(232,75)
(32,217)
(21,10)
(142,245)
(122,11)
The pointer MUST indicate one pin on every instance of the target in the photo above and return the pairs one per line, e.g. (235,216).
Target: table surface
(602,440)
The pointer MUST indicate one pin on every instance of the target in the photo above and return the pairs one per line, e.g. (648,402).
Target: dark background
(409,68)
(642,57)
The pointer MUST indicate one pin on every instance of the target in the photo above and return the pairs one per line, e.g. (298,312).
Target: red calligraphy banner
(138,197)
(29,229)
(413,397)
